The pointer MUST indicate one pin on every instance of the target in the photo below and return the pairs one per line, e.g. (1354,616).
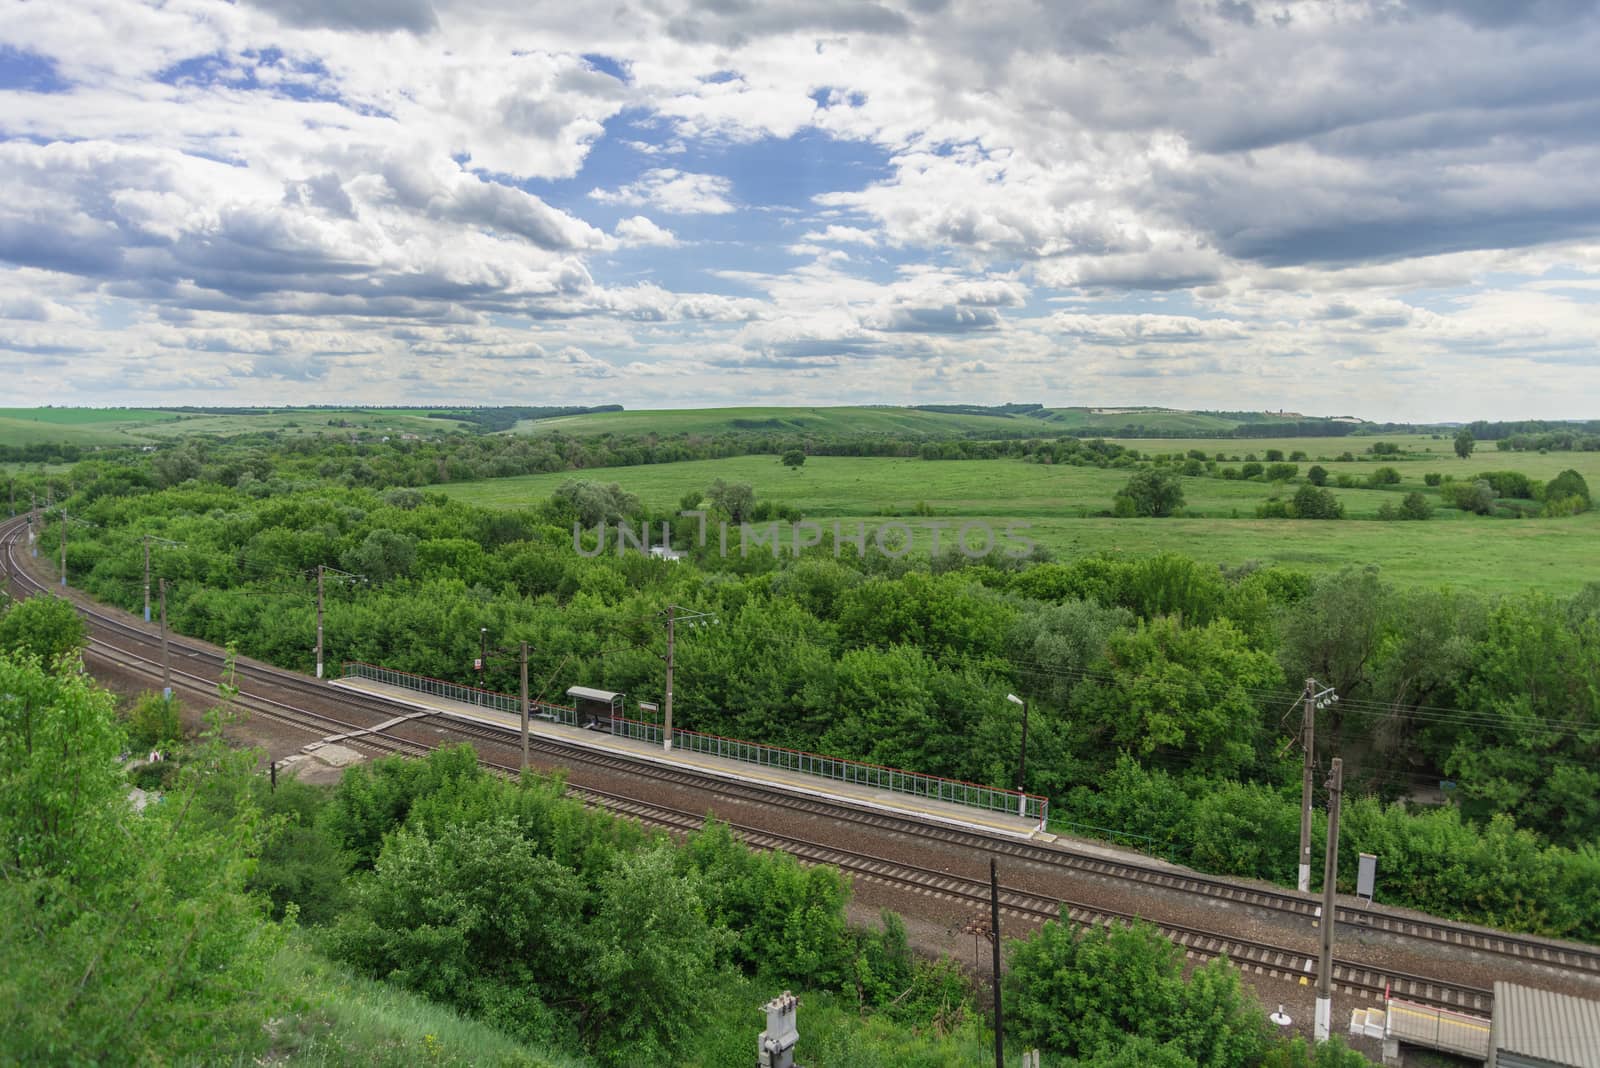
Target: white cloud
(673,191)
(843,235)
(1230,198)
(638,230)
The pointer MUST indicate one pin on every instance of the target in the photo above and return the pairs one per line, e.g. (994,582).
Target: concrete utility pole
(994,931)
(166,654)
(1022,758)
(33,510)
(524,706)
(666,729)
(63,548)
(1307,740)
(1330,882)
(319,620)
(147,578)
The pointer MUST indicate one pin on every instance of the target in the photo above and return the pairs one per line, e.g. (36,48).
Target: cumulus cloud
(1223,194)
(416,16)
(637,230)
(673,191)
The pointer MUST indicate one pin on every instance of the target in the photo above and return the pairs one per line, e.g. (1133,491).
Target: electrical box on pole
(1366,876)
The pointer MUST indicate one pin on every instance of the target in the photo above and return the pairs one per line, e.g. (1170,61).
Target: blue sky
(1370,207)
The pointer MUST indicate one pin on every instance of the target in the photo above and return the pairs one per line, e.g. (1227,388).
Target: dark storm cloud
(370,16)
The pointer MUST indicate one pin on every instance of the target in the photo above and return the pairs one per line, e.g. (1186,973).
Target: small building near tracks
(1535,1028)
(596,708)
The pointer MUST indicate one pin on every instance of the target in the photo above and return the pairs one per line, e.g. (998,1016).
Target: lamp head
(1014,699)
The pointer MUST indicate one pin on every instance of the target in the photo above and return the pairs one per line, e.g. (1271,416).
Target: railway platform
(860,795)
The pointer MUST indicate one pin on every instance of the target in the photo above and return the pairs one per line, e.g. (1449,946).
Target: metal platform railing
(916,784)
(931,787)
(454,691)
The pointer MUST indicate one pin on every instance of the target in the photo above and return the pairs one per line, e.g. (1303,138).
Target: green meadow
(130,426)
(836,422)
(1059,504)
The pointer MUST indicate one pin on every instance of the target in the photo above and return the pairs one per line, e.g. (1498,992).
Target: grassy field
(1059,502)
(129,426)
(124,426)
(76,426)
(833,422)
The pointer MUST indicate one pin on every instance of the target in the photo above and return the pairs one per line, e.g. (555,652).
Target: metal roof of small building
(592,695)
(1557,1028)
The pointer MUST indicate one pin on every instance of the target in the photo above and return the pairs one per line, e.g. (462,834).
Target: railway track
(1564,956)
(1351,977)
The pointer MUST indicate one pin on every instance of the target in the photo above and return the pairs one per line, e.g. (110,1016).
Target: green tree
(47,627)
(1383,476)
(154,722)
(1185,688)
(593,503)
(382,556)
(1475,496)
(1464,443)
(1061,642)
(1154,492)
(646,971)
(1415,506)
(736,500)
(300,864)
(138,923)
(473,917)
(794,458)
(1318,475)
(1334,632)
(1313,503)
(1118,996)
(1567,493)
(1281,472)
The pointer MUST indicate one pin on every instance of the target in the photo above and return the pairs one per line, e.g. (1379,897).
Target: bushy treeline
(565,926)
(1127,1003)
(493,420)
(41,452)
(1526,433)
(129,937)
(158,935)
(907,662)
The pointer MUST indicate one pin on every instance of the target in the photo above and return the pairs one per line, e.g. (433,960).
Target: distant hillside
(798,422)
(58,434)
(947,420)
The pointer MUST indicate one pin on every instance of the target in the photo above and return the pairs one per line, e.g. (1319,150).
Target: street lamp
(483,649)
(1022,759)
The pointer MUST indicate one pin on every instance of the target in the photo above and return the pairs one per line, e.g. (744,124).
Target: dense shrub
(1383,476)
(154,723)
(1510,484)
